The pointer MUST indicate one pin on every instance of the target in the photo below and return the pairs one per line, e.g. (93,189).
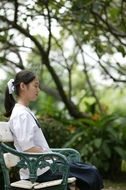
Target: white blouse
(26,134)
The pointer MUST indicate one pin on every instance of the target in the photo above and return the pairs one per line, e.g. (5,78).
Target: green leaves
(3,38)
(102,141)
(76,138)
(121,152)
(97,142)
(106,149)
(121,49)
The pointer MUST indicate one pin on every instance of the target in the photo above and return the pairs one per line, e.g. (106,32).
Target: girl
(28,135)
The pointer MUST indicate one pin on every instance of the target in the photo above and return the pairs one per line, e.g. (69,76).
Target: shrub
(101,141)
(55,132)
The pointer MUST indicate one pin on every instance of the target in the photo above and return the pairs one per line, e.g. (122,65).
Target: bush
(101,141)
(55,132)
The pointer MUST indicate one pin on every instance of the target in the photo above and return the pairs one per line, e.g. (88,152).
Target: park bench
(58,161)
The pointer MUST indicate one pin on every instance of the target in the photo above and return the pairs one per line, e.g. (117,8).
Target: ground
(109,185)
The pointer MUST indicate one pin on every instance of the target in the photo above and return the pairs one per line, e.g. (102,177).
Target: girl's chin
(34,99)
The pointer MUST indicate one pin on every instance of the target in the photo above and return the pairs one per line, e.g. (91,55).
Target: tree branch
(123,13)
(89,82)
(49,28)
(25,33)
(67,67)
(16,11)
(111,28)
(52,92)
(108,73)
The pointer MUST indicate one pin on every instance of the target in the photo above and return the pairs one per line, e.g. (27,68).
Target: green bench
(58,161)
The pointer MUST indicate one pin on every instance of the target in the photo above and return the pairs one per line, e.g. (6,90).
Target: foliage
(55,132)
(114,99)
(101,141)
(123,166)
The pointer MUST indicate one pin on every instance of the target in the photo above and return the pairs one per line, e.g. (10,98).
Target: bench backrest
(6,136)
(5,133)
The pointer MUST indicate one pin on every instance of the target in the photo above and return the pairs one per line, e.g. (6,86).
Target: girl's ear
(22,86)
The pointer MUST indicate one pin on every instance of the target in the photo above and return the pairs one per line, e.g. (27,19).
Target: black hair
(23,76)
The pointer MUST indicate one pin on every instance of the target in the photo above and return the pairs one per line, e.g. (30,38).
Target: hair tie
(10,86)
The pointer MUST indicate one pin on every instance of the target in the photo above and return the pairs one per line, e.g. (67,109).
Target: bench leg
(7,187)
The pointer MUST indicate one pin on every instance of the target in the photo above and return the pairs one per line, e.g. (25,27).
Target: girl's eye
(36,86)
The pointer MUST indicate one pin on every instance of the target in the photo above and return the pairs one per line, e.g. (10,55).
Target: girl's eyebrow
(37,82)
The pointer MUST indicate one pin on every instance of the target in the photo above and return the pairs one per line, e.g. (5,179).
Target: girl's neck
(23,102)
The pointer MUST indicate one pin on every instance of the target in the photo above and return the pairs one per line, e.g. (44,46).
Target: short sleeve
(23,129)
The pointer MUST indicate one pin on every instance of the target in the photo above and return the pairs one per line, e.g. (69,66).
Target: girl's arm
(34,149)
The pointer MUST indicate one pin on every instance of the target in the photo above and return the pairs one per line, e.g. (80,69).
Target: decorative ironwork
(57,160)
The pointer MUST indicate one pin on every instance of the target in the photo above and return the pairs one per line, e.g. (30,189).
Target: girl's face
(30,91)
(33,89)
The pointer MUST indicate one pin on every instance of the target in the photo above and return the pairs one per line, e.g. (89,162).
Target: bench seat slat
(28,185)
(53,183)
(25,184)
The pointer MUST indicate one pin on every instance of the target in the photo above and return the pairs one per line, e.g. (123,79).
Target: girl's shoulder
(19,110)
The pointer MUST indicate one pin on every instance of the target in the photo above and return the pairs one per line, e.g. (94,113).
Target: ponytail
(9,103)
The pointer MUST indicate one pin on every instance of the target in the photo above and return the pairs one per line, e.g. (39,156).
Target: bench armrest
(55,161)
(71,154)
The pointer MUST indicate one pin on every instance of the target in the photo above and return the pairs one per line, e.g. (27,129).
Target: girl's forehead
(36,80)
